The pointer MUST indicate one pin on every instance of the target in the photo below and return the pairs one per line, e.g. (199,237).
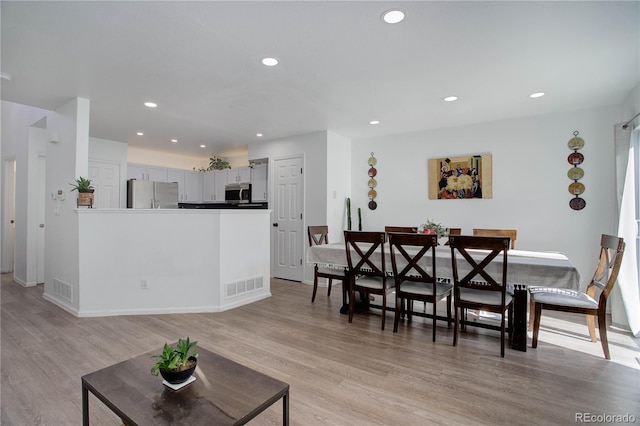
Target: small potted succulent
(176,364)
(85,191)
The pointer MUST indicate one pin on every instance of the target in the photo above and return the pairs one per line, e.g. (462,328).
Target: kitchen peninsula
(144,261)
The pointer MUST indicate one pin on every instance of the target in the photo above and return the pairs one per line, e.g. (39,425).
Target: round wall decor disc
(577,203)
(373,205)
(372,194)
(575,173)
(576,188)
(576,143)
(575,158)
(372,172)
(372,183)
(372,161)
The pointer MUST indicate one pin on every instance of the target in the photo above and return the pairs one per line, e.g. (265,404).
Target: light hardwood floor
(340,373)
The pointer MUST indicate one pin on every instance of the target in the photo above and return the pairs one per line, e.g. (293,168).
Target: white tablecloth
(549,269)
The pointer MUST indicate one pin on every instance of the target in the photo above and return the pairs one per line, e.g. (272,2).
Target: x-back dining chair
(367,270)
(483,287)
(415,274)
(511,233)
(453,231)
(319,235)
(566,300)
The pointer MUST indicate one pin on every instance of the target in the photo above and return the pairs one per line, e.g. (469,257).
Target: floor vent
(243,286)
(63,290)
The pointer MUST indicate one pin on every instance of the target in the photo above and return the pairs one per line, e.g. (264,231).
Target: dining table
(525,268)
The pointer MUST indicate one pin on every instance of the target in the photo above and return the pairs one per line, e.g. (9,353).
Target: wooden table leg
(285,409)
(519,337)
(85,406)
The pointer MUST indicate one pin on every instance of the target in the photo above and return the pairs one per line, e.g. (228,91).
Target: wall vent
(63,290)
(237,288)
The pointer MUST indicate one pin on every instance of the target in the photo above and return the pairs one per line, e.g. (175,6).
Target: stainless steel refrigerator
(146,194)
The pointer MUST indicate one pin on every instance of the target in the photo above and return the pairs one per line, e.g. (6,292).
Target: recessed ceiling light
(393,16)
(259,135)
(269,62)
(203,146)
(140,134)
(150,104)
(5,76)
(174,140)
(536,95)
(374,122)
(450,98)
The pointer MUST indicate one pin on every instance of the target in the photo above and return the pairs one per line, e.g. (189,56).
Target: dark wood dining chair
(453,231)
(479,288)
(511,233)
(367,270)
(318,235)
(406,229)
(566,300)
(413,262)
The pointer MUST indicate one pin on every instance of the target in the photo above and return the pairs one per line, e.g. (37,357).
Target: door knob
(275,224)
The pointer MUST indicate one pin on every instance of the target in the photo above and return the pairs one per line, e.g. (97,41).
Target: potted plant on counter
(85,191)
(176,364)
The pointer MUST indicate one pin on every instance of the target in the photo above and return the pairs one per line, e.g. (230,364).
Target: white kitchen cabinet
(177,175)
(239,175)
(209,187)
(193,186)
(259,183)
(221,182)
(189,185)
(144,172)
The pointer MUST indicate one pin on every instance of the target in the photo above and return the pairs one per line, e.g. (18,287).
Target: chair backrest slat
(318,235)
(360,248)
(511,233)
(413,263)
(479,262)
(405,229)
(606,274)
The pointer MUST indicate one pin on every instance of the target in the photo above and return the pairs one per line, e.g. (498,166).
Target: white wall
(22,139)
(529,180)
(338,185)
(313,147)
(66,160)
(165,159)
(179,161)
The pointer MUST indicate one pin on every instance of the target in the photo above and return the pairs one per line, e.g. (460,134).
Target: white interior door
(42,180)
(288,209)
(105,178)
(9,215)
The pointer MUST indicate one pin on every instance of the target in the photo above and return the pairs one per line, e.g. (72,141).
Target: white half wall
(188,260)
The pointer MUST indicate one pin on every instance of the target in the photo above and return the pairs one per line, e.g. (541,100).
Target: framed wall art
(455,178)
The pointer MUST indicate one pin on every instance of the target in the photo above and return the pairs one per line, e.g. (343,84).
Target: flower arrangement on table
(433,228)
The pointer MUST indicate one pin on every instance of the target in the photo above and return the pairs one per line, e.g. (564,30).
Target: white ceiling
(340,65)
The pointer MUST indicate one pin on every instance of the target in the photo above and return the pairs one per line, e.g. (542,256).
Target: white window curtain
(627,162)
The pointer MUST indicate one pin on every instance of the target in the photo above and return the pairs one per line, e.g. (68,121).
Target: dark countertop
(222,206)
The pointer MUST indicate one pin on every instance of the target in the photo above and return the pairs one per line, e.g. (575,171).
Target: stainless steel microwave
(237,193)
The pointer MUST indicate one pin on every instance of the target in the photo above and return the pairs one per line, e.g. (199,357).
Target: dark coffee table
(224,393)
